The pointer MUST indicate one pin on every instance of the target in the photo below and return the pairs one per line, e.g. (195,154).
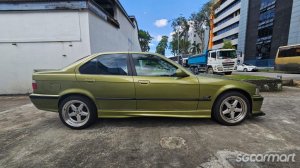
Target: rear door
(108,77)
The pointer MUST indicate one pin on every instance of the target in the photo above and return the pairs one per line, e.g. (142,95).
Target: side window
(213,55)
(151,65)
(111,64)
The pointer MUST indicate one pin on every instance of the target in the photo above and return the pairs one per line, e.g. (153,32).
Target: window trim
(130,72)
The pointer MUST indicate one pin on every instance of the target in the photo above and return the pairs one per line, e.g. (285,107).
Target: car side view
(134,84)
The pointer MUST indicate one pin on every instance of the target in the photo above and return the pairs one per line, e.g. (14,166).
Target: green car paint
(117,96)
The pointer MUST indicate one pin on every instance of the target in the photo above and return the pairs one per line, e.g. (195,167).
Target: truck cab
(214,61)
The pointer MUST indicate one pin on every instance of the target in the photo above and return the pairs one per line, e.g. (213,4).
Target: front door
(109,80)
(157,87)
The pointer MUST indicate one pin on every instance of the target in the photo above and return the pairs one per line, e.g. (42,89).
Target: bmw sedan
(118,85)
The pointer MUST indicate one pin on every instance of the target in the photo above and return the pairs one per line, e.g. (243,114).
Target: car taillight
(34,85)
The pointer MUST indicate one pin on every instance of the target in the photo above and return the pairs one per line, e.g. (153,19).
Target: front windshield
(227,54)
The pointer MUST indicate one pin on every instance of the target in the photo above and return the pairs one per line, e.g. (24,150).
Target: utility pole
(178,45)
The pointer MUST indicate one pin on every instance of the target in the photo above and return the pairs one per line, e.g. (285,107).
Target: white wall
(42,39)
(106,37)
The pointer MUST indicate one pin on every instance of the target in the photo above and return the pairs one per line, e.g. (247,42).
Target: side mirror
(180,73)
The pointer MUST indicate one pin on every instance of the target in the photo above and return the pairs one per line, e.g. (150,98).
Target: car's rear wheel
(77,112)
(231,108)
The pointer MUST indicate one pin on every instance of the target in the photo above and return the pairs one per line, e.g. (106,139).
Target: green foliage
(201,19)
(203,15)
(162,45)
(183,46)
(195,48)
(144,39)
(227,45)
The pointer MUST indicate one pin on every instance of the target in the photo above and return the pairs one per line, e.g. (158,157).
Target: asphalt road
(271,75)
(34,138)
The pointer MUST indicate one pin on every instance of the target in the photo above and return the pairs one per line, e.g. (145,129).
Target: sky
(155,16)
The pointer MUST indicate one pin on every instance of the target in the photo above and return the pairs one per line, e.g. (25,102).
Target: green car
(134,84)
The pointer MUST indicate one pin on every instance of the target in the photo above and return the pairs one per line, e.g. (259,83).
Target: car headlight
(256,91)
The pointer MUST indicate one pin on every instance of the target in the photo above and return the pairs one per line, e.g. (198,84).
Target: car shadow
(140,122)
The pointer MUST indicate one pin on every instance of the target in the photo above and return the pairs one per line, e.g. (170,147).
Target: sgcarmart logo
(266,157)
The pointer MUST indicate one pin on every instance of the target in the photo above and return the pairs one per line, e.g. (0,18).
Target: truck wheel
(210,70)
(228,73)
(192,69)
(196,70)
(231,108)
(77,112)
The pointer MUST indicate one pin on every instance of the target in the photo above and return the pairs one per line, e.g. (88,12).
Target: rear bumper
(45,102)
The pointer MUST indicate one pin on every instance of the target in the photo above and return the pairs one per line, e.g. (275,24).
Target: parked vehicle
(288,59)
(246,68)
(118,85)
(214,61)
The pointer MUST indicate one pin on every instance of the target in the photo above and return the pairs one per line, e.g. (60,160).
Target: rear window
(289,52)
(111,64)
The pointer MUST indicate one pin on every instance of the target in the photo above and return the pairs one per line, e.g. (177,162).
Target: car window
(151,65)
(110,64)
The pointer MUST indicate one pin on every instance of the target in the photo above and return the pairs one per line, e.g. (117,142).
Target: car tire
(210,70)
(77,112)
(231,108)
(245,70)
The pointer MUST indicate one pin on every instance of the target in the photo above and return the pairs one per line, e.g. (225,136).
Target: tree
(144,39)
(227,44)
(201,19)
(183,45)
(181,28)
(162,45)
(195,48)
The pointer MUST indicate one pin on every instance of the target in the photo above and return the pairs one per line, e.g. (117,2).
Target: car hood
(221,81)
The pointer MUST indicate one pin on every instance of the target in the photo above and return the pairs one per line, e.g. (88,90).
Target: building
(225,22)
(294,34)
(50,34)
(195,39)
(269,26)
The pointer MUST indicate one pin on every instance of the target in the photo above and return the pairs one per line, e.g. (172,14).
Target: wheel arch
(242,91)
(85,94)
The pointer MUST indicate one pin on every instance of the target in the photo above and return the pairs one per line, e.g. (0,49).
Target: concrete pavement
(34,138)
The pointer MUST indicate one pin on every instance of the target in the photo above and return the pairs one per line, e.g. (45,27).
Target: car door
(110,81)
(157,89)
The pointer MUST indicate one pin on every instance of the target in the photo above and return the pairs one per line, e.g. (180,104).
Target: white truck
(214,61)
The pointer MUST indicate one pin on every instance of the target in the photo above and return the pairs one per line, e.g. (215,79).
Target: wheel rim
(233,109)
(75,113)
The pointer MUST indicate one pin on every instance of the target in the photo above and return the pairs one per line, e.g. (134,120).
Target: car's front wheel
(77,112)
(231,108)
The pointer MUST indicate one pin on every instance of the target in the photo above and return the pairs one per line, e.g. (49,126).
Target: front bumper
(45,102)
(257,102)
(258,114)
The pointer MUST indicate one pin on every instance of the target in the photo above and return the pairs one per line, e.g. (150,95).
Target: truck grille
(228,65)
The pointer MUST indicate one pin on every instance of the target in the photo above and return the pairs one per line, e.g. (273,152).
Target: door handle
(144,82)
(90,80)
